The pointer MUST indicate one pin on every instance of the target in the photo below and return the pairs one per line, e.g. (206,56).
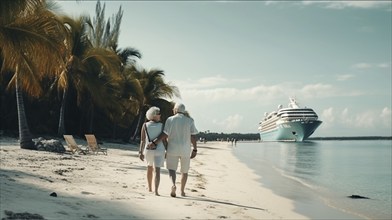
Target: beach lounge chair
(73,146)
(94,146)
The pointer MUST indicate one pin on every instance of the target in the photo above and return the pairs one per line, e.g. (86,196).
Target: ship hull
(290,131)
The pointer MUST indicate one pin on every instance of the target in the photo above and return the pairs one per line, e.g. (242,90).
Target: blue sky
(233,61)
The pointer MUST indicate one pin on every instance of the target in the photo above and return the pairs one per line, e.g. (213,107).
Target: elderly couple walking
(179,132)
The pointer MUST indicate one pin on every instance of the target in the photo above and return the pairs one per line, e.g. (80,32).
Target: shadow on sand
(210,200)
(64,206)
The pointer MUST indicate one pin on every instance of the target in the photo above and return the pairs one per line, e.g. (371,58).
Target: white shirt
(154,129)
(179,129)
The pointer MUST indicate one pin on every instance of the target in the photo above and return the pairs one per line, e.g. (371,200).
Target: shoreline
(115,187)
(295,172)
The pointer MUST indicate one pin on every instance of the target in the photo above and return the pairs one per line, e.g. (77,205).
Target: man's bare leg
(184,178)
(172,174)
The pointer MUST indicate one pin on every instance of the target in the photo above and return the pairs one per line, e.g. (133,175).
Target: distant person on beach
(180,132)
(155,154)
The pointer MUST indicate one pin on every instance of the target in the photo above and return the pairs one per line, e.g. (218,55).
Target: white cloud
(362,66)
(339,4)
(209,82)
(366,29)
(220,89)
(212,95)
(365,120)
(270,2)
(344,77)
(328,116)
(320,90)
(370,65)
(345,117)
(383,65)
(385,116)
(231,123)
(317,90)
(350,4)
(217,88)
(368,119)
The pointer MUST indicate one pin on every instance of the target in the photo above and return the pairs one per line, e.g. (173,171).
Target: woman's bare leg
(149,177)
(157,179)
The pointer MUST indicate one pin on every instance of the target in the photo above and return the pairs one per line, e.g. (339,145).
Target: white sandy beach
(115,186)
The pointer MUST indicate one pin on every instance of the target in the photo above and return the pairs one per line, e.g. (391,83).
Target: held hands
(193,154)
(151,146)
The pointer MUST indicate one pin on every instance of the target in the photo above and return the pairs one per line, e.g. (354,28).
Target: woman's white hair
(151,112)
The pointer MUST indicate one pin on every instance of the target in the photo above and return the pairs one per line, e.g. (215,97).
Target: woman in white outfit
(155,155)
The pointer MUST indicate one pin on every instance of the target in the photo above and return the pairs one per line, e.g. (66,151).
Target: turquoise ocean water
(319,175)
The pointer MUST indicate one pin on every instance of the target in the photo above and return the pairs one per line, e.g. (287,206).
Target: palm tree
(150,87)
(127,56)
(105,34)
(104,86)
(32,46)
(94,72)
(76,45)
(101,34)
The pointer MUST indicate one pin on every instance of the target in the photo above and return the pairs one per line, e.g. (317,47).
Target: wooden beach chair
(94,146)
(73,146)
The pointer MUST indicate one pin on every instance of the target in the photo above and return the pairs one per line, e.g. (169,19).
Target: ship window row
(299,113)
(293,117)
(296,109)
(269,117)
(295,112)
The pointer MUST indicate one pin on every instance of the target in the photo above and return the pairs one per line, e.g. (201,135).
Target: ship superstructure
(289,124)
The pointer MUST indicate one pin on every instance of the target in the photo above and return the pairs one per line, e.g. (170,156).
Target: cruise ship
(289,124)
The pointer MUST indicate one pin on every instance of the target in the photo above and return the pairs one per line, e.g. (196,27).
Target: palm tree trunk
(91,120)
(114,131)
(25,137)
(139,124)
(61,128)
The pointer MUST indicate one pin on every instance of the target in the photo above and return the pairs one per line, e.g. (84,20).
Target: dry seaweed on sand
(21,216)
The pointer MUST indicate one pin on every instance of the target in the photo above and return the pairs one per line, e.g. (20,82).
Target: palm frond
(34,44)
